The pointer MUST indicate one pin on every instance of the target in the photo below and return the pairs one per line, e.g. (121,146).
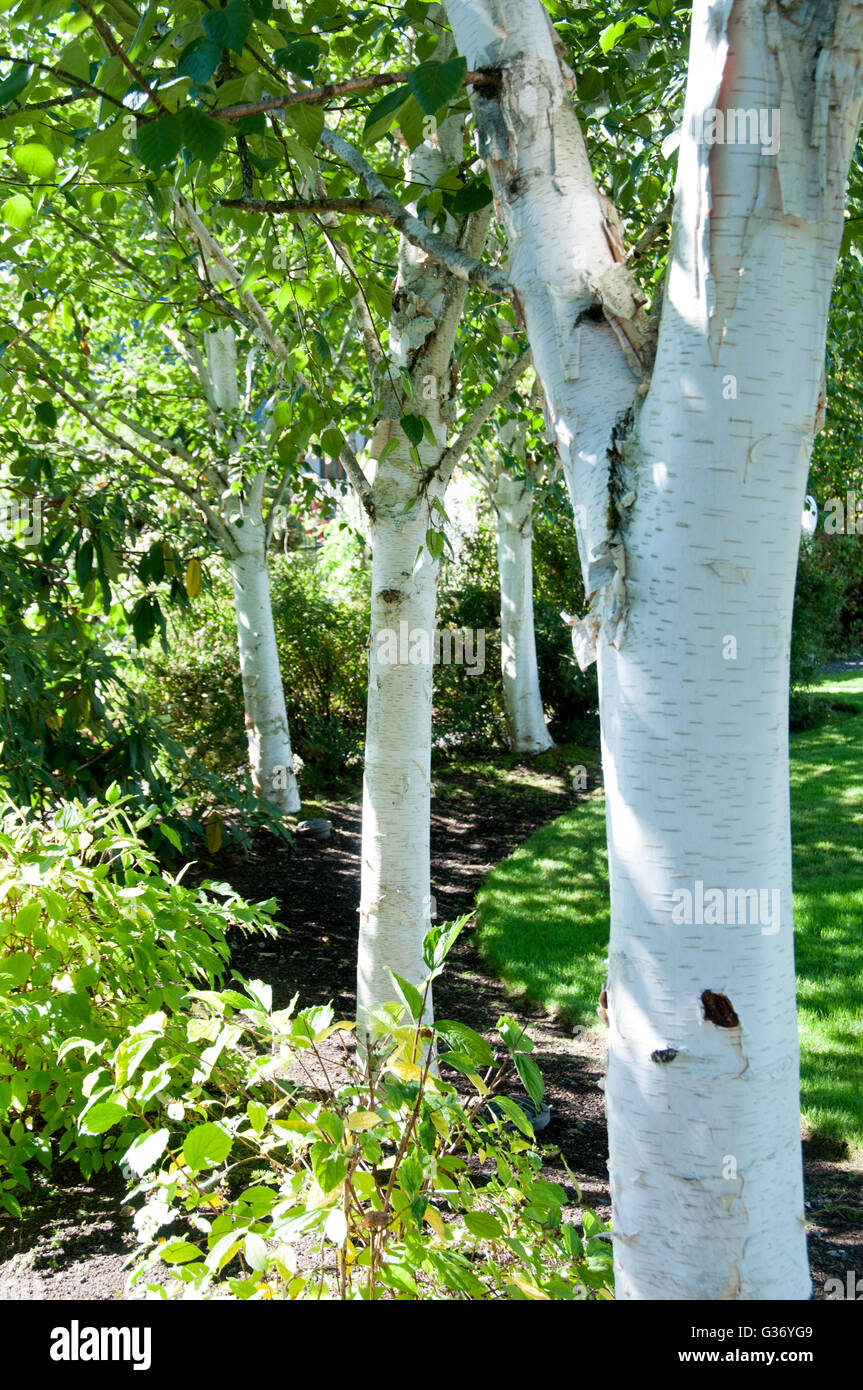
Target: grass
(543,915)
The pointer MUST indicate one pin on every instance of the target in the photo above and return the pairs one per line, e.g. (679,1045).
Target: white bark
(270,755)
(512,501)
(395,888)
(395,893)
(270,758)
(693,625)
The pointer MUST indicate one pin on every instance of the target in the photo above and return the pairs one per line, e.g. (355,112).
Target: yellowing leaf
(214,834)
(440,1124)
(530,1290)
(434,1220)
(405,1071)
(363,1119)
(193,578)
(341,1027)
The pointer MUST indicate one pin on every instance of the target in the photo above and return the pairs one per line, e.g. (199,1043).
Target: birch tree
(687,472)
(511,480)
(222,461)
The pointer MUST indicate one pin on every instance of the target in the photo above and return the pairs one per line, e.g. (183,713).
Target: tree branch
(212,249)
(117,51)
(456,261)
(451,456)
(316,95)
(357,478)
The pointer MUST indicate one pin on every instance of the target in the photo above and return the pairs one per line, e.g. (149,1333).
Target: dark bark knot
(390,595)
(489,84)
(719,1009)
(664,1054)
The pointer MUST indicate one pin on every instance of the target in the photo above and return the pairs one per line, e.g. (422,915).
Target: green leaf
(398,1276)
(515,1113)
(409,993)
(332,442)
(610,34)
(46,414)
(483,1225)
(17,211)
(439,941)
(435,543)
(229,27)
(102,1116)
(18,966)
(84,563)
(14,82)
(413,428)
(179,1252)
(475,195)
(205,1146)
(308,122)
(203,137)
(257,1114)
(146,1151)
(329,1165)
(157,143)
(434,84)
(300,57)
(171,835)
(530,1077)
(35,160)
(382,114)
(464,1039)
(199,60)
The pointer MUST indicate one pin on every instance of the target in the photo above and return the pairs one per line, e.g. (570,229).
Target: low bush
(95,937)
(264,1177)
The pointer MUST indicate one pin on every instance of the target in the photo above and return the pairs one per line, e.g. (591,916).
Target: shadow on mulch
(73,1240)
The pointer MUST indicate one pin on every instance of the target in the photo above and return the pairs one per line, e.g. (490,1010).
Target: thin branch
(653,233)
(117,50)
(68,77)
(92,409)
(364,207)
(458,262)
(357,478)
(450,457)
(212,249)
(317,95)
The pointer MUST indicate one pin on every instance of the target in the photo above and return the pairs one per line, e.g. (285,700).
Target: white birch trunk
(270,757)
(512,501)
(693,620)
(395,893)
(395,888)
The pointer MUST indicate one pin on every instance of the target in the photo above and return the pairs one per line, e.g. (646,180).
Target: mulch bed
(73,1240)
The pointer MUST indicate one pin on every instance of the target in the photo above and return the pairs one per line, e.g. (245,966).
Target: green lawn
(543,916)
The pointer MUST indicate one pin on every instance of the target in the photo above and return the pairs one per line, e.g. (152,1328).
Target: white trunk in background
(512,501)
(693,614)
(395,900)
(270,755)
(270,759)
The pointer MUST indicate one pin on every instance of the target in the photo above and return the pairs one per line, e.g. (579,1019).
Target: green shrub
(469,708)
(384,1182)
(94,937)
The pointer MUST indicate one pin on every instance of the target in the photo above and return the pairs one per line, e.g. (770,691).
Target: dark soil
(73,1240)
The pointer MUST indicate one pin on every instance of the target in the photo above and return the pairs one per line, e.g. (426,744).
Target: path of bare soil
(73,1240)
